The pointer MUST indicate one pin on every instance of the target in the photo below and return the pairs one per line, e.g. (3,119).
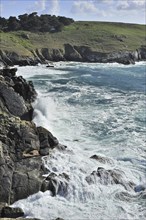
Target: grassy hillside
(100,36)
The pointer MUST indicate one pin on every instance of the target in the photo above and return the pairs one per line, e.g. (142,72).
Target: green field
(99,36)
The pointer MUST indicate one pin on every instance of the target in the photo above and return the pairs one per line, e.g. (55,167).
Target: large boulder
(9,212)
(11,100)
(16,94)
(57,184)
(107,177)
(101,159)
(47,141)
(24,89)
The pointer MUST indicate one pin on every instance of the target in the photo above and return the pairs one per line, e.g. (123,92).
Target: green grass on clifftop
(99,36)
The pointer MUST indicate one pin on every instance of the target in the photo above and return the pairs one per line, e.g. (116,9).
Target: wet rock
(10,72)
(140,188)
(47,141)
(107,177)
(2,205)
(101,159)
(21,142)
(59,219)
(9,212)
(24,88)
(57,184)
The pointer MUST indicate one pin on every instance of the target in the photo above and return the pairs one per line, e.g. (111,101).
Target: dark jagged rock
(47,141)
(101,159)
(16,94)
(9,212)
(57,184)
(59,219)
(139,188)
(13,102)
(9,72)
(107,177)
(21,143)
(20,161)
(25,89)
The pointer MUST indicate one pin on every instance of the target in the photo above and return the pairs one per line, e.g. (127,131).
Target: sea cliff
(72,53)
(80,41)
(22,145)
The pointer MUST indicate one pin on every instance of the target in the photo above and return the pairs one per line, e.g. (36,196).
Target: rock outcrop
(101,159)
(72,53)
(8,212)
(109,177)
(22,144)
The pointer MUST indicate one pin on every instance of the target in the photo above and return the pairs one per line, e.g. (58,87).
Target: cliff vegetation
(76,41)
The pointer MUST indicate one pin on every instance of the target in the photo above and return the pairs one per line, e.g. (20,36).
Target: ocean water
(92,109)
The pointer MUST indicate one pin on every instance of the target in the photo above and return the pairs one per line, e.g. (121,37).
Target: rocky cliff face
(22,144)
(72,53)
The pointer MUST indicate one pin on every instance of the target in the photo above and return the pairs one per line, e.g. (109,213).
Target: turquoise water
(93,109)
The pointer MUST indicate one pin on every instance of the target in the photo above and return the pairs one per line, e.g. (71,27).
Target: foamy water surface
(93,109)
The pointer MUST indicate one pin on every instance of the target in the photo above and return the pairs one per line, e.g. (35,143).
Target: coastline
(53,178)
(50,72)
(72,53)
(22,146)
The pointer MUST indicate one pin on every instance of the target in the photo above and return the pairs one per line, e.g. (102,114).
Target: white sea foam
(89,120)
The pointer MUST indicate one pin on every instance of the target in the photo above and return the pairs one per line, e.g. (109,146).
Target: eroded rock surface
(72,52)
(22,144)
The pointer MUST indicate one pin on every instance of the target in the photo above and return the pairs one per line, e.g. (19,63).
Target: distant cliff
(72,53)
(79,41)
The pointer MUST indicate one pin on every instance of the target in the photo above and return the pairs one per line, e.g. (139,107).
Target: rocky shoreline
(72,53)
(22,145)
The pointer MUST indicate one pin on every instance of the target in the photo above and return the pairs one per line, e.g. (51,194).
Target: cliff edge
(79,41)
(22,144)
